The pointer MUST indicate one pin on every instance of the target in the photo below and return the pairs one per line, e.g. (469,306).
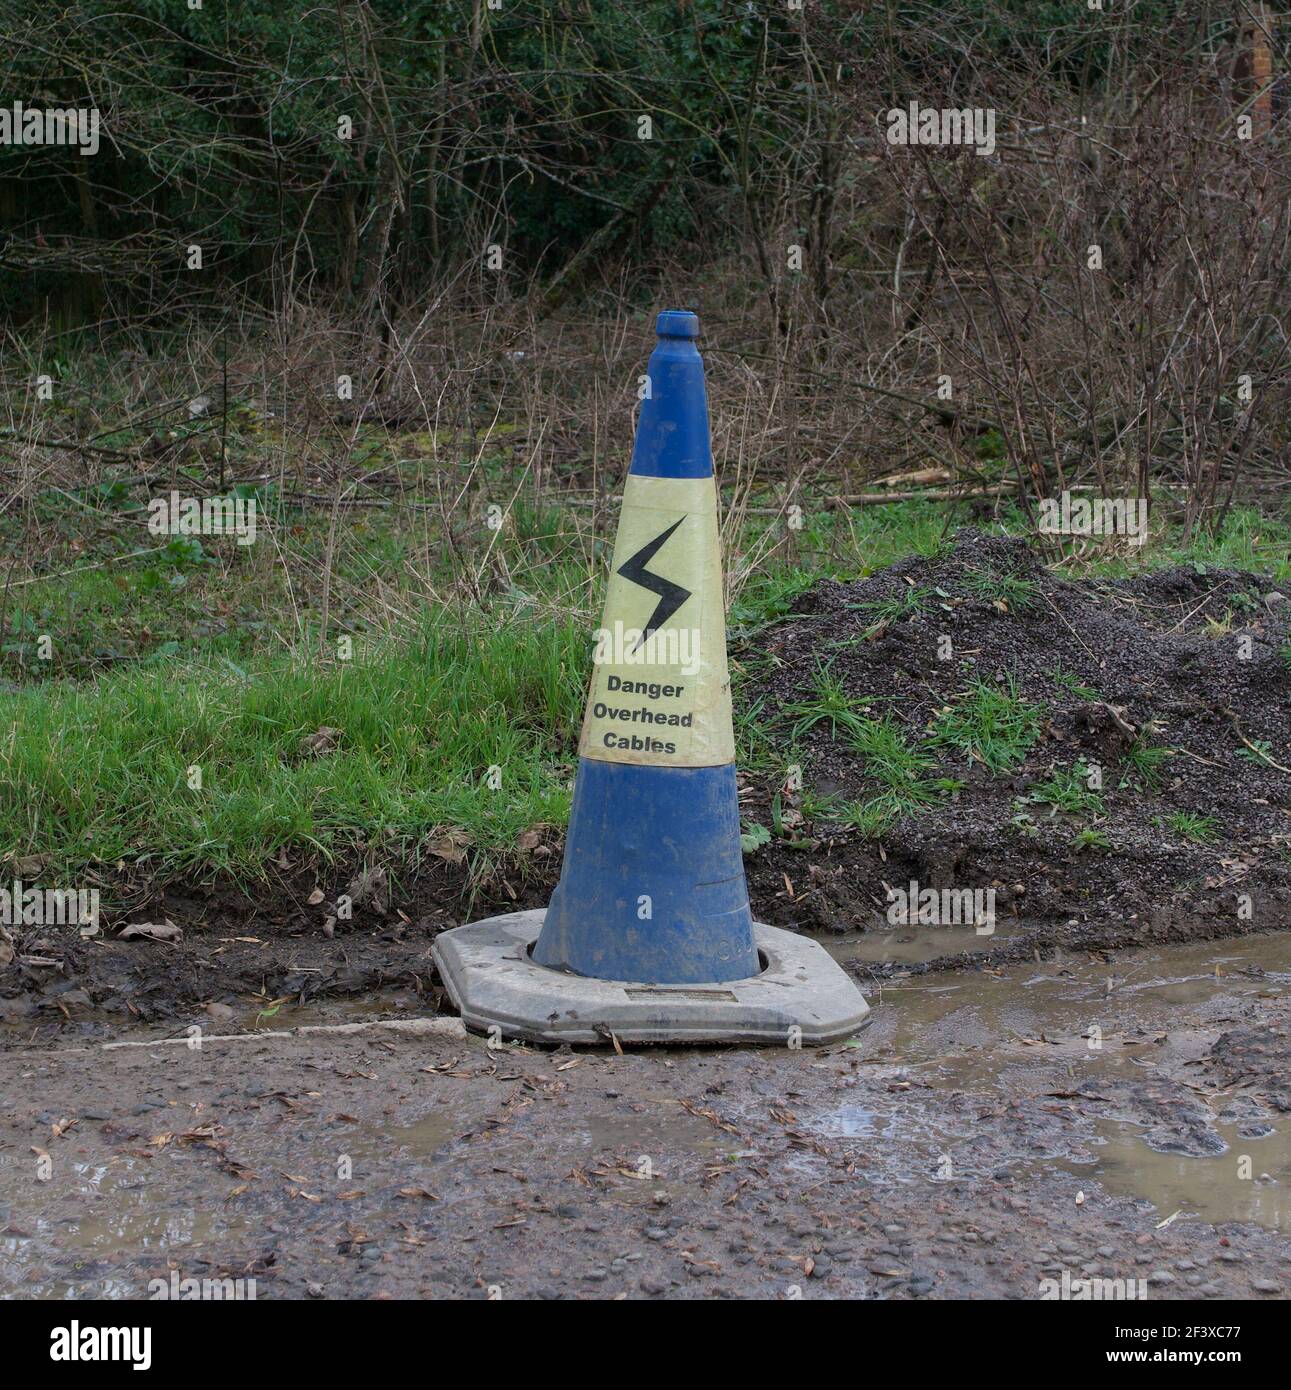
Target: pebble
(656,1233)
(596,1275)
(1266,1286)
(1161,1276)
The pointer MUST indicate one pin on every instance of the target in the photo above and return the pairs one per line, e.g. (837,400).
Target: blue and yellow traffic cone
(653,884)
(649,936)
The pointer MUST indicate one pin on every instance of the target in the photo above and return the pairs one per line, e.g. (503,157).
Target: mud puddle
(1116,1060)
(991,1123)
(1197,1188)
(90,1218)
(918,945)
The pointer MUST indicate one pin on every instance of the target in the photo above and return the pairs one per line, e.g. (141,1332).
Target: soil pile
(1117,750)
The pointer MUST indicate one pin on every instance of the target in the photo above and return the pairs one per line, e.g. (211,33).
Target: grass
(1146,761)
(165,657)
(97,774)
(1067,792)
(902,768)
(828,703)
(1014,593)
(882,611)
(990,724)
(1069,683)
(1193,826)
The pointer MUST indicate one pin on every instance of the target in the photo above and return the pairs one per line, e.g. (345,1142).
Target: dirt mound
(1109,757)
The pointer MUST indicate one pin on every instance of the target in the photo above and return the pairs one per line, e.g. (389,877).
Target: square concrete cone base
(803,995)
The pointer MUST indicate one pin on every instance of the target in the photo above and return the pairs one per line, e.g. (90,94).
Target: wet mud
(991,1133)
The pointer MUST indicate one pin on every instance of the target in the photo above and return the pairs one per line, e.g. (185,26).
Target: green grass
(1069,683)
(1146,761)
(903,769)
(1193,826)
(887,610)
(828,703)
(99,773)
(169,656)
(990,724)
(1017,594)
(1067,792)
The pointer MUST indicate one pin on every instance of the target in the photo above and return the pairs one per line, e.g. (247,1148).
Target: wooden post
(1254,69)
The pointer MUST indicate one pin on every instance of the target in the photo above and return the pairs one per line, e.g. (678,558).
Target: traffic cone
(653,883)
(649,936)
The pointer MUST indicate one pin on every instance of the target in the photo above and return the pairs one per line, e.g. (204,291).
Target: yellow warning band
(661,693)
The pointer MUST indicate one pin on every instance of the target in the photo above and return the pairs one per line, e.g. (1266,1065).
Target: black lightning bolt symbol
(671,596)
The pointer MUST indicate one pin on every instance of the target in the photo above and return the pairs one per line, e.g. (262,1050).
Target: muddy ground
(1118,1118)
(1098,1086)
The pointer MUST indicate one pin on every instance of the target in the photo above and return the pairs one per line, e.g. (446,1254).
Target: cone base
(801,998)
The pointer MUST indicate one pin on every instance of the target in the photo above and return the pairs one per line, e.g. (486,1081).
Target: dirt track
(944,1155)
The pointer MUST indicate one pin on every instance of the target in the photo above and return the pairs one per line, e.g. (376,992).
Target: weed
(1017,595)
(829,704)
(1068,681)
(1145,761)
(1192,826)
(990,723)
(1067,791)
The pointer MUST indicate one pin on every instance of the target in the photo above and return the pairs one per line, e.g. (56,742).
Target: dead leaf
(320,743)
(151,931)
(449,844)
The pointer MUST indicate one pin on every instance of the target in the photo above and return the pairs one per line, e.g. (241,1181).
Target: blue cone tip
(672,431)
(677,323)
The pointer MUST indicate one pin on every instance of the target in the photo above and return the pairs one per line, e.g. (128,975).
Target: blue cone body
(670,834)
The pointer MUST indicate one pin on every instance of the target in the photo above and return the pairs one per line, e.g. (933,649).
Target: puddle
(1047,1009)
(117,1219)
(1206,1188)
(947,1051)
(657,1132)
(916,945)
